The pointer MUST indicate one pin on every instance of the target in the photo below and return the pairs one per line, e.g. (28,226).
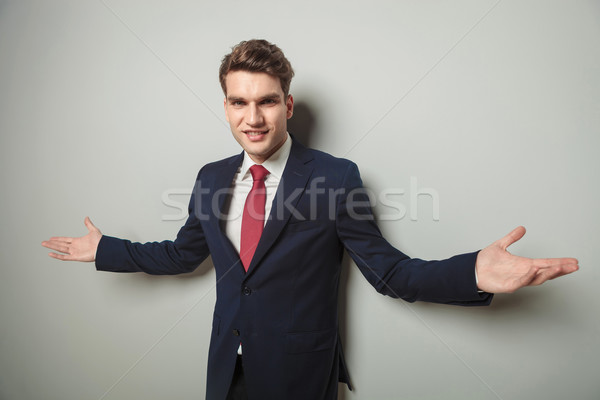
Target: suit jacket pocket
(307,342)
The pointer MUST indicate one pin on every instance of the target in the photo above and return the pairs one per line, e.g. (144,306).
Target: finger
(513,236)
(61,239)
(565,271)
(88,223)
(555,262)
(547,274)
(63,257)
(56,246)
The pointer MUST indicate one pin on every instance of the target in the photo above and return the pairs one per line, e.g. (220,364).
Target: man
(275,325)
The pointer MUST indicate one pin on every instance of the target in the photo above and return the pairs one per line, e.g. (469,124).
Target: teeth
(253,133)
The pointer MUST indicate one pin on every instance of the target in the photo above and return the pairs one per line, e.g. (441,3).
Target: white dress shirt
(242,183)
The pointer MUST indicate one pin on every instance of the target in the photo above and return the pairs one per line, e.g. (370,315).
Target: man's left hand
(498,271)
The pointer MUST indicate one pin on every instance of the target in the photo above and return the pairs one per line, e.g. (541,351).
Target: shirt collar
(274,164)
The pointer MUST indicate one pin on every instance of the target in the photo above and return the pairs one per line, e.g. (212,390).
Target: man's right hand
(76,249)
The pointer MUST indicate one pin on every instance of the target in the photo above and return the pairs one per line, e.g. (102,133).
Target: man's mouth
(255,133)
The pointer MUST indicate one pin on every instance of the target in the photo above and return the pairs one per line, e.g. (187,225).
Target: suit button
(247,291)
(236,332)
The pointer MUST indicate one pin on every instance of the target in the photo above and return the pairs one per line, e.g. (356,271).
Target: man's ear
(290,106)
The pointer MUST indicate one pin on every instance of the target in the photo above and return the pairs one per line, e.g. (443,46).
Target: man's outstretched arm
(118,255)
(75,249)
(498,271)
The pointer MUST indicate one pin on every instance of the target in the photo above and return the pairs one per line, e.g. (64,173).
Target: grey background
(494,105)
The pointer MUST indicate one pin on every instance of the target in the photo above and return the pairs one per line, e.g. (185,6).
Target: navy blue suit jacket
(285,308)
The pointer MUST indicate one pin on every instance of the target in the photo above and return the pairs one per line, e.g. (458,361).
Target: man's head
(257,56)
(255,78)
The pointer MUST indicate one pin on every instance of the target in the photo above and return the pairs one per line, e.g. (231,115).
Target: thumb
(91,227)
(515,235)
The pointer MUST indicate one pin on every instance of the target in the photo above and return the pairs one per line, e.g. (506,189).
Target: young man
(275,325)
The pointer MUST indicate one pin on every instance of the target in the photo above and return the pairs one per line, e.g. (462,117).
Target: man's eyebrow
(234,98)
(270,96)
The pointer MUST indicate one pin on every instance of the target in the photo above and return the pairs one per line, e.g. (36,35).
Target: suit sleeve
(157,258)
(391,272)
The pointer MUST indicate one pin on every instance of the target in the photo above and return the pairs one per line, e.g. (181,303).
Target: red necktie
(253,219)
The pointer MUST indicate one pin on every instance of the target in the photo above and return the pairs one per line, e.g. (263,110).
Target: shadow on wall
(302,124)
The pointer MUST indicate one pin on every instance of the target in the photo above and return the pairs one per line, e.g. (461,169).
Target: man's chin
(255,151)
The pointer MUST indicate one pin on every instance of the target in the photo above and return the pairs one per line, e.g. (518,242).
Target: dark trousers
(237,390)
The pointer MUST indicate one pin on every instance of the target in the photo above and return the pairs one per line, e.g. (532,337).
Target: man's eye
(238,103)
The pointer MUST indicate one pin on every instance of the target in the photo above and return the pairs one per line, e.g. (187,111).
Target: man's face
(257,112)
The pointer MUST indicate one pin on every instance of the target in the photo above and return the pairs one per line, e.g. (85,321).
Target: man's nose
(254,116)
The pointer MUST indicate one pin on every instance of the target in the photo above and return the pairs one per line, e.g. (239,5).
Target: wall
(491,107)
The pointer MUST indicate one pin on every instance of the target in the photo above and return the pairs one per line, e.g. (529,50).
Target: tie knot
(259,173)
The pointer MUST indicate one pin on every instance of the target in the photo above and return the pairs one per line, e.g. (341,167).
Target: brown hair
(257,56)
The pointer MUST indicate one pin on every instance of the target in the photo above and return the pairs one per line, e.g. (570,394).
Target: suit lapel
(293,182)
(220,188)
